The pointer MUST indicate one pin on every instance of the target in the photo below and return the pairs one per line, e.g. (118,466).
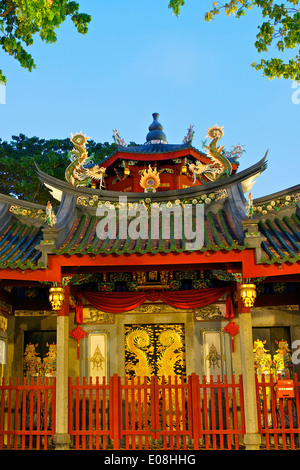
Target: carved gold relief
(141,277)
(153,275)
(98,356)
(152,279)
(171,355)
(97,359)
(138,344)
(3,323)
(150,308)
(34,313)
(213,357)
(92,315)
(210,312)
(154,350)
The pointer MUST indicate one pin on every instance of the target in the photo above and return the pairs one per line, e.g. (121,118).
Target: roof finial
(156,134)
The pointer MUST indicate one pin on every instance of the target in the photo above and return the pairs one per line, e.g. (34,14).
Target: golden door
(155,349)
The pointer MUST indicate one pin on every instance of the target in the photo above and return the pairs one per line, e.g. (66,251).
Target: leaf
(20,20)
(280,28)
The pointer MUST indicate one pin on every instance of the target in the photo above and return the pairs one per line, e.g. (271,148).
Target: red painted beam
(159,156)
(150,259)
(251,269)
(245,261)
(196,259)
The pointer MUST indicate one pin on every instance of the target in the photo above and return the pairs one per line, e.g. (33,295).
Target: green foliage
(175,6)
(280,29)
(18,176)
(20,20)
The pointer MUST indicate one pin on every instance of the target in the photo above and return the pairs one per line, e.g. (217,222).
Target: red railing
(156,414)
(171,413)
(27,414)
(278,418)
(89,417)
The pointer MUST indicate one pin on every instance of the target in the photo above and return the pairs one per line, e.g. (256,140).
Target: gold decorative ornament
(56,297)
(126,172)
(213,357)
(150,180)
(97,359)
(183,169)
(248,294)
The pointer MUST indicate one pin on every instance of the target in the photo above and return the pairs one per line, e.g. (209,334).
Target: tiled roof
(219,234)
(18,246)
(19,242)
(283,239)
(155,148)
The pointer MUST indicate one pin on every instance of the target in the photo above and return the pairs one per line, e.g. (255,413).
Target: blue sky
(137,59)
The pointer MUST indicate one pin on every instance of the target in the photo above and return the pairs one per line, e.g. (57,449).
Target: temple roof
(283,239)
(30,233)
(173,166)
(219,234)
(18,246)
(150,149)
(22,225)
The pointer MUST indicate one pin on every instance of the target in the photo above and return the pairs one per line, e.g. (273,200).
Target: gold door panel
(155,350)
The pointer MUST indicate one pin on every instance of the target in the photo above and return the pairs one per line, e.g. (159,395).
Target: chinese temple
(156,261)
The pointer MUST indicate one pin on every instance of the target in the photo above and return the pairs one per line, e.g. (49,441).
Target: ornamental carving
(210,312)
(150,308)
(3,324)
(34,313)
(155,349)
(92,315)
(213,357)
(97,359)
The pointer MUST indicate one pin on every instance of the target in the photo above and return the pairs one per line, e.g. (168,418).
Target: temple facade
(156,262)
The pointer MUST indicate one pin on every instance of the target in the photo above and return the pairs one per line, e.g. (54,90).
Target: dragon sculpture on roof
(220,165)
(82,169)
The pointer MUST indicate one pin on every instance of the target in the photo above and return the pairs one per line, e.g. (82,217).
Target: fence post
(195,403)
(252,438)
(115,409)
(61,437)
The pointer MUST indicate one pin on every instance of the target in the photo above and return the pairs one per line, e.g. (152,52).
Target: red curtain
(118,302)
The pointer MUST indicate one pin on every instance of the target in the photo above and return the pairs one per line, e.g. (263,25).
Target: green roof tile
(219,234)
(283,239)
(18,247)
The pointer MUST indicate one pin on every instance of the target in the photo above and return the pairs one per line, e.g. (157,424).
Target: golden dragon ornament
(220,166)
(82,169)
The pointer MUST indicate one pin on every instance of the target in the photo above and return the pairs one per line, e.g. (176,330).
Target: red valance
(118,302)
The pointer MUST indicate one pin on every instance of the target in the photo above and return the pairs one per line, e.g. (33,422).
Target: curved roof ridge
(278,194)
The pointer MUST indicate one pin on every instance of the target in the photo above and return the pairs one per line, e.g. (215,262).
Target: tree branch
(6,13)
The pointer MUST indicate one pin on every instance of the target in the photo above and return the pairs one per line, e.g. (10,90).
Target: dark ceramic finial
(156,130)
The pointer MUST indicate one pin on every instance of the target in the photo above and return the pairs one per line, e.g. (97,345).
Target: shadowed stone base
(252,441)
(61,441)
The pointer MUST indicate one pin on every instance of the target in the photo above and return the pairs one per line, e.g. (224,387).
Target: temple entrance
(155,350)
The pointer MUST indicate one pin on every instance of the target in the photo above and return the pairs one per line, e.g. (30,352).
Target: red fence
(156,414)
(278,418)
(147,414)
(27,414)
